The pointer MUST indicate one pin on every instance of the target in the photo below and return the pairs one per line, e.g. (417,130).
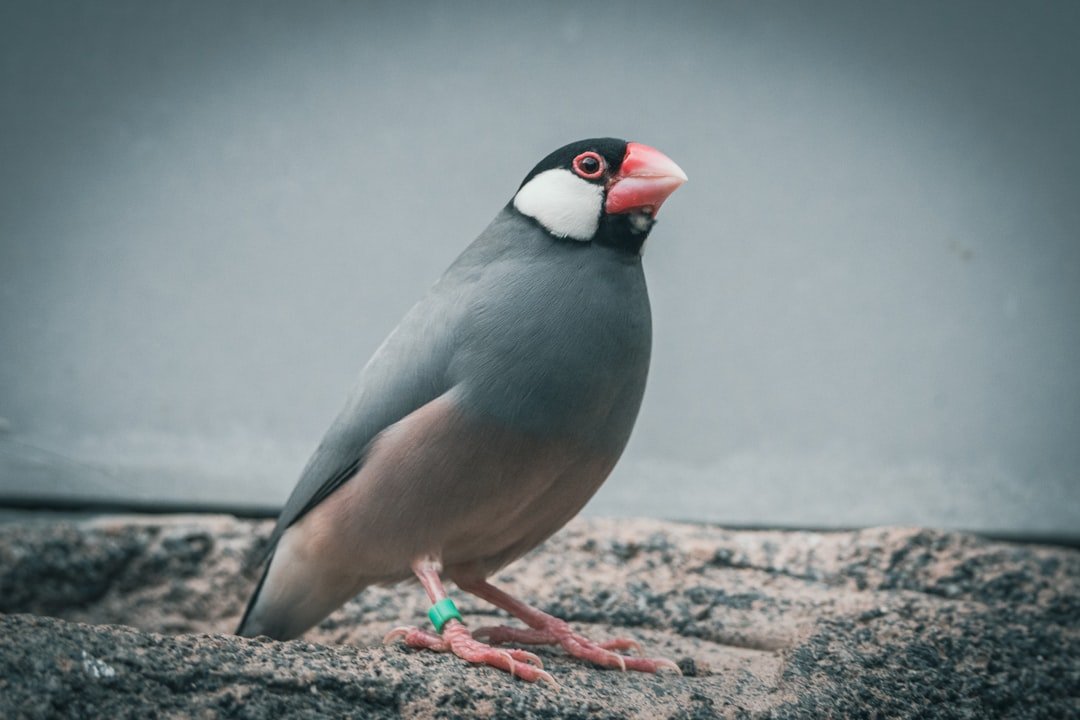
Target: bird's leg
(545,629)
(455,637)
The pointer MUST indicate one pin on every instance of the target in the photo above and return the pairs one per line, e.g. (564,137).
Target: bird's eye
(589,165)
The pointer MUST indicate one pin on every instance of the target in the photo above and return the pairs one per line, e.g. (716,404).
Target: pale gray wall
(867,299)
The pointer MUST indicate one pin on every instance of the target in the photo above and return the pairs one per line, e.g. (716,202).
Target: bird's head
(603,190)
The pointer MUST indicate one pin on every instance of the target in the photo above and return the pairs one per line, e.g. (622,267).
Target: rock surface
(129,617)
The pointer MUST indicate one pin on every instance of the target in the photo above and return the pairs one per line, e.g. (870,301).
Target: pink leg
(547,630)
(457,639)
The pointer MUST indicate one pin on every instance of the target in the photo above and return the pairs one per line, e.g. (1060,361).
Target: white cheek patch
(566,205)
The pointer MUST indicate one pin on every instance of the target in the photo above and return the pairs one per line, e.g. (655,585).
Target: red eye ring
(589,165)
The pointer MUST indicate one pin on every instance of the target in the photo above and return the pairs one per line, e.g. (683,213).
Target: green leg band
(442,611)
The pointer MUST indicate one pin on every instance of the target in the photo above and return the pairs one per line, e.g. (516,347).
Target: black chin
(625,232)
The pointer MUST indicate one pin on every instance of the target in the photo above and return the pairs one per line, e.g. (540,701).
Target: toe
(416,638)
(502,634)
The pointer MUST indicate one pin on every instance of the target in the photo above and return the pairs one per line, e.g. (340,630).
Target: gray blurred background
(866,299)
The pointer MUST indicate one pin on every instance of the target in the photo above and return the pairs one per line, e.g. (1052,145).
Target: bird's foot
(457,639)
(558,632)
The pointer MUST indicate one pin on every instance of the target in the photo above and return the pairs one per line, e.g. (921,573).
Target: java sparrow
(487,418)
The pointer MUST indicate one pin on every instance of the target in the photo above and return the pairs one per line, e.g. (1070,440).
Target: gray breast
(558,335)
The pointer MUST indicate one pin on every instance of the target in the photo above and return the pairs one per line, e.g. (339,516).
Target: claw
(622,662)
(665,664)
(512,669)
(527,657)
(397,633)
(546,677)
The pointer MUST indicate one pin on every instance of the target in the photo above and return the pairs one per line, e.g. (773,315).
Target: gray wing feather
(406,372)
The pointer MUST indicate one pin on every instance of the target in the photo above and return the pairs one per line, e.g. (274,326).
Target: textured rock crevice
(129,616)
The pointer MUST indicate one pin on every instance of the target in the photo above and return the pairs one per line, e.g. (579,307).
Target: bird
(486,420)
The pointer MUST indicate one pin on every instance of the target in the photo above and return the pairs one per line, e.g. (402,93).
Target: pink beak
(646,178)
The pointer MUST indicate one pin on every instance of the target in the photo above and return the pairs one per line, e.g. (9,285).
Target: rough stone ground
(129,617)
